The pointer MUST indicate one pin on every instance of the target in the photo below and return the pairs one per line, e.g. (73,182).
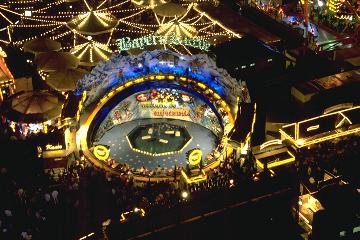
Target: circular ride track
(151,109)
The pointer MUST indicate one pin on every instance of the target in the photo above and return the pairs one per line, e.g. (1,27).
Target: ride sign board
(127,43)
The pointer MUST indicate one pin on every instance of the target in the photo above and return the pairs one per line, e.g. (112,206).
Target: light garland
(129,31)
(52,17)
(191,19)
(32,25)
(216,22)
(117,5)
(41,20)
(24,8)
(133,25)
(24,2)
(140,24)
(90,47)
(60,35)
(192,23)
(50,5)
(42,34)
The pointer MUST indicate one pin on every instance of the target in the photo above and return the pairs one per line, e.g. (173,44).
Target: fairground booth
(32,112)
(332,124)
(333,89)
(338,124)
(160,114)
(324,144)
(273,155)
(333,136)
(37,115)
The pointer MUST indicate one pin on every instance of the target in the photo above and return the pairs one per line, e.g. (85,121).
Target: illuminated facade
(321,128)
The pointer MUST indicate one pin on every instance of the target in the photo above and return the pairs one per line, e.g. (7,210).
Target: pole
(306,18)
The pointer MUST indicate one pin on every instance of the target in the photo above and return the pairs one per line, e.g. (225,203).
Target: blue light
(143,69)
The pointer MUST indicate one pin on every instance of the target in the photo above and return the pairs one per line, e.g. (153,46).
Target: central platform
(118,141)
(159,139)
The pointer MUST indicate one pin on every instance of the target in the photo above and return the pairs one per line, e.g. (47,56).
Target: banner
(162,103)
(127,43)
(169,113)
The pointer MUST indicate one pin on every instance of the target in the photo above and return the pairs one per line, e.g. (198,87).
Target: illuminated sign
(127,43)
(270,143)
(175,112)
(53,147)
(101,152)
(194,156)
(312,128)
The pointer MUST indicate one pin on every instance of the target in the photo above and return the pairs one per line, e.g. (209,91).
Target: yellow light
(118,89)
(139,80)
(270,143)
(217,96)
(195,157)
(101,152)
(124,214)
(312,128)
(105,99)
(160,77)
(128,84)
(277,163)
(201,177)
(311,200)
(184,194)
(300,142)
(201,85)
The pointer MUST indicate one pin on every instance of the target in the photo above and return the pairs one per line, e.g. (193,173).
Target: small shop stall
(33,112)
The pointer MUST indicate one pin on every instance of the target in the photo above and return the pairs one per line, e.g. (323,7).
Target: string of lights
(52,21)
(40,20)
(41,35)
(60,35)
(117,5)
(135,26)
(129,31)
(193,18)
(32,25)
(186,49)
(173,48)
(24,2)
(140,24)
(50,5)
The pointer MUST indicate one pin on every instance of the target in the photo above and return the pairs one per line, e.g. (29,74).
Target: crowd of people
(159,171)
(340,26)
(74,202)
(338,156)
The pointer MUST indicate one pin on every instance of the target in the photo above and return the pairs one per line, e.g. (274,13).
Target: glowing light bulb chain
(203,24)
